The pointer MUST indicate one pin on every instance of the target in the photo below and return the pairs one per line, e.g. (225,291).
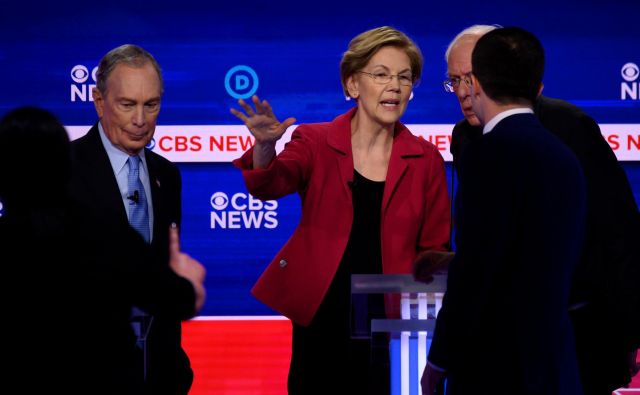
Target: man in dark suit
(127,99)
(604,297)
(521,210)
(72,333)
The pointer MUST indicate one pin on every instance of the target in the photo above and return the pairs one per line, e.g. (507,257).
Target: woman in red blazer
(373,197)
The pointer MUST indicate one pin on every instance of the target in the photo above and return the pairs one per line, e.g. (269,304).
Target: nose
(394,84)
(462,91)
(138,116)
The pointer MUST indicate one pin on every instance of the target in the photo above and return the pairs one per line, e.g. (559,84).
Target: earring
(411,96)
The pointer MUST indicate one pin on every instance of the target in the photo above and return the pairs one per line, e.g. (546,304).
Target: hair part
(509,64)
(130,55)
(365,45)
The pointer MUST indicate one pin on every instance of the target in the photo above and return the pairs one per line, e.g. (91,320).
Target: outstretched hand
(185,266)
(430,262)
(262,123)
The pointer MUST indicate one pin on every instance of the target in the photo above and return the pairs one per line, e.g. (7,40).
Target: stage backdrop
(213,53)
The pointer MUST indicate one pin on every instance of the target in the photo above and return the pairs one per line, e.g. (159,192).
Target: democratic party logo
(80,89)
(630,88)
(241,82)
(242,211)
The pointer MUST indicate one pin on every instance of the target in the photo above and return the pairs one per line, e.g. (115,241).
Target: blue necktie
(139,220)
(138,209)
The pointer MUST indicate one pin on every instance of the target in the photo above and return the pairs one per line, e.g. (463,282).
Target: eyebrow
(408,69)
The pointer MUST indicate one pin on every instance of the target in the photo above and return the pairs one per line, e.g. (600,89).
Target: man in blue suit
(521,210)
(604,298)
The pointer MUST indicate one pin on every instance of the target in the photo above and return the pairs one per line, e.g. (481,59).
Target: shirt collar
(117,157)
(494,121)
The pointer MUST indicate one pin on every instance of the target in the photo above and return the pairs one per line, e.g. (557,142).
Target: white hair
(475,30)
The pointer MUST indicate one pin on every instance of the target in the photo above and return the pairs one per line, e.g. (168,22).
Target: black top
(330,336)
(363,254)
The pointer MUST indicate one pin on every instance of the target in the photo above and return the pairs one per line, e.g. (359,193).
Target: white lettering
(630,89)
(234,219)
(78,91)
(219,218)
(252,219)
(235,204)
(271,222)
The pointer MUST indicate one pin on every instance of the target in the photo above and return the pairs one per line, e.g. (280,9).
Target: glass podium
(408,332)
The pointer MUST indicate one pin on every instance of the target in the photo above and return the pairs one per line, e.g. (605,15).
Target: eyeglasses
(452,83)
(382,78)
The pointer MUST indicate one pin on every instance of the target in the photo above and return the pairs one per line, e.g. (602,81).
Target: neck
(369,135)
(492,108)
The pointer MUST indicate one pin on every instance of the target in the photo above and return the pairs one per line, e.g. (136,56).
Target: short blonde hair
(362,48)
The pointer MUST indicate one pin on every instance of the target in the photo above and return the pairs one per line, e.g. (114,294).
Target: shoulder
(410,145)
(314,130)
(160,163)
(86,141)
(556,114)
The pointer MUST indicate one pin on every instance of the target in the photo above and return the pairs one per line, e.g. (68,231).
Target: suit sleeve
(611,264)
(434,234)
(287,173)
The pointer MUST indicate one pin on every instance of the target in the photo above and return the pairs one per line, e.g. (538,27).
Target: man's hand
(432,381)
(430,262)
(185,266)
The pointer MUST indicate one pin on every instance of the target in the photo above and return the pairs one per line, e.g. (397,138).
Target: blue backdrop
(292,57)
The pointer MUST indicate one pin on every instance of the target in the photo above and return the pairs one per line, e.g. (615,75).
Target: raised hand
(262,123)
(264,126)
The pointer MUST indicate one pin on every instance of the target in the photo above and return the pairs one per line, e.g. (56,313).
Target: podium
(409,335)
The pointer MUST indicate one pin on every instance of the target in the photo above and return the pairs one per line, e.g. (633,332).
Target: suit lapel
(156,192)
(339,138)
(98,174)
(403,146)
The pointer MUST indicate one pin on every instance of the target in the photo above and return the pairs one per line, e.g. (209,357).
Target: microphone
(135,198)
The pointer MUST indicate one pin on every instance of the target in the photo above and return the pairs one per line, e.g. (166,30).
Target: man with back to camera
(604,291)
(520,213)
(127,99)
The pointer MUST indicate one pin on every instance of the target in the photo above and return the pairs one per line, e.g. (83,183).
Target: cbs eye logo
(80,90)
(241,82)
(219,201)
(242,211)
(630,72)
(630,88)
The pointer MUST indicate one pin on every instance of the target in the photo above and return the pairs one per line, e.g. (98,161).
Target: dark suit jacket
(504,327)
(95,191)
(608,274)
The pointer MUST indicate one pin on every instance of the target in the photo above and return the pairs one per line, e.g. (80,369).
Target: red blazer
(318,164)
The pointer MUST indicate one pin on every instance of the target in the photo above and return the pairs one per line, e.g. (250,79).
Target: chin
(473,120)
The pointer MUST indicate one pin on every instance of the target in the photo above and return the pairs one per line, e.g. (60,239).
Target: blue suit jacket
(504,325)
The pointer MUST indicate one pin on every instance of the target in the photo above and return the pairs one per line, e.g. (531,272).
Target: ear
(540,89)
(476,88)
(98,101)
(352,87)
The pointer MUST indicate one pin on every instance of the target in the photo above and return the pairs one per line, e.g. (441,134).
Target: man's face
(459,66)
(129,108)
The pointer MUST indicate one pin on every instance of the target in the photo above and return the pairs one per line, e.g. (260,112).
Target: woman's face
(383,86)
